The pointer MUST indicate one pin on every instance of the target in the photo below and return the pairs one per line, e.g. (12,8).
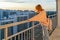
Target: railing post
(33,29)
(6,34)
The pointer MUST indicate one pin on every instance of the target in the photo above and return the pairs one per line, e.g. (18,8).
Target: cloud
(46,4)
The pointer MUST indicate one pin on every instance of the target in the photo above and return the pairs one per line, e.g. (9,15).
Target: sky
(27,4)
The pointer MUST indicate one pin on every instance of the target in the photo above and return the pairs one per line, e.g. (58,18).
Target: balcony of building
(36,31)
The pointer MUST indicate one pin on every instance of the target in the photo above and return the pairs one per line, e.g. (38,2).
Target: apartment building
(12,16)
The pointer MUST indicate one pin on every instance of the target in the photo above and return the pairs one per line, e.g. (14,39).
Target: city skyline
(26,4)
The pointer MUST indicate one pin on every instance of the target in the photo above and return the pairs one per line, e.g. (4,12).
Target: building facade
(12,16)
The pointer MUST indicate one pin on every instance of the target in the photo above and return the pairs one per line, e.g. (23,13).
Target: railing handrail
(52,15)
(23,31)
(13,24)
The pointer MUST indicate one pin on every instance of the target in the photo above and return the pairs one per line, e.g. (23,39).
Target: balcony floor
(56,34)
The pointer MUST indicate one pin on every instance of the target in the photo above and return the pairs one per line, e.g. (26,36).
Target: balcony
(35,32)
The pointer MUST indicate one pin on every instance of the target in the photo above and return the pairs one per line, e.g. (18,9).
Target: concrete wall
(58,12)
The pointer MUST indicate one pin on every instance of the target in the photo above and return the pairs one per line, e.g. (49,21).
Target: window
(5,14)
(21,18)
(10,29)
(8,22)
(12,13)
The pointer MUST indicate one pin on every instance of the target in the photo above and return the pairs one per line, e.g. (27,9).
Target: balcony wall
(58,12)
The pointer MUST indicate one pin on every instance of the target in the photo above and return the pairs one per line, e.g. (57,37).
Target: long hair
(39,7)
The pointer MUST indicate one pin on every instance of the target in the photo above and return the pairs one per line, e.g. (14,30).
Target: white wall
(58,12)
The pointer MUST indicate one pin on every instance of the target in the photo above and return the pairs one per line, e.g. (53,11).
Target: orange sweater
(42,18)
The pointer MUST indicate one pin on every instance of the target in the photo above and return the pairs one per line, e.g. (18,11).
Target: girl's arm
(49,24)
(32,19)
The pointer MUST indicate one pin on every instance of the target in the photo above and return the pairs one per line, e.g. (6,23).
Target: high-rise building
(10,30)
(12,16)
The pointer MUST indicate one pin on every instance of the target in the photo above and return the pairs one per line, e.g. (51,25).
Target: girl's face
(37,10)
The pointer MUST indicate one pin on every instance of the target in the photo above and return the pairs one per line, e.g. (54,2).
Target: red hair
(39,7)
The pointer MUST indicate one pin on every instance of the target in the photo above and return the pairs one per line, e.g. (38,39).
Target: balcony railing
(27,34)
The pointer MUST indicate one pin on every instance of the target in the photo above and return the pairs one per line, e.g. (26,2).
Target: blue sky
(46,4)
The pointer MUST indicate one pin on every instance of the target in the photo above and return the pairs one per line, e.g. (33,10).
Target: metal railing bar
(52,15)
(19,37)
(13,24)
(11,39)
(22,31)
(16,23)
(33,30)
(6,34)
(15,37)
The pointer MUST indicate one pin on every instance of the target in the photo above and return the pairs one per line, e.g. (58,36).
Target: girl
(42,17)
